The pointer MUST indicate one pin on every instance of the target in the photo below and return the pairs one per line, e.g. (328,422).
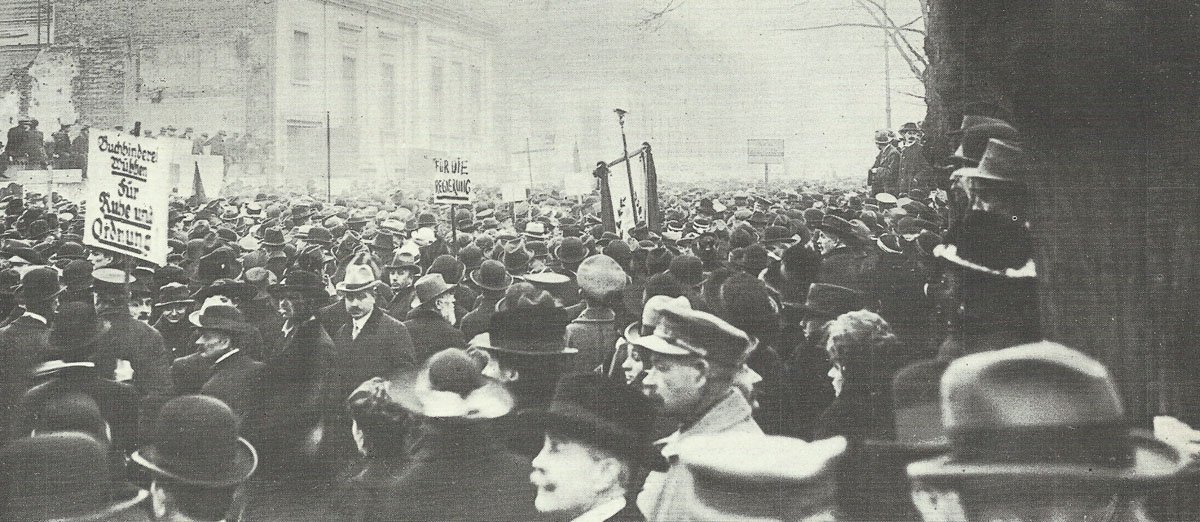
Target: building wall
(375,69)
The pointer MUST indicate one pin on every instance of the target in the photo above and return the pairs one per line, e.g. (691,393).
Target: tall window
(390,98)
(437,97)
(301,51)
(350,88)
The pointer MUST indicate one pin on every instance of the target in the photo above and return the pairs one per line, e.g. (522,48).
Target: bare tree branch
(895,35)
(914,95)
(653,20)
(913,21)
(831,26)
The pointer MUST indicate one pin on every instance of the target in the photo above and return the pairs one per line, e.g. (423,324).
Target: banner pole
(453,230)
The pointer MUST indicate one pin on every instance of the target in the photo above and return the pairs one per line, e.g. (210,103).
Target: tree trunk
(1105,95)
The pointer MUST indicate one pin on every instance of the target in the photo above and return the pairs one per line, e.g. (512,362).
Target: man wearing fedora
(432,319)
(847,256)
(597,438)
(220,366)
(127,339)
(24,343)
(882,176)
(371,344)
(402,272)
(197,460)
(695,360)
(1038,433)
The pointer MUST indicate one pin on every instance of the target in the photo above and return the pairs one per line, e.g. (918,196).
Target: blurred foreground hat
(680,330)
(601,412)
(450,386)
(196,442)
(62,476)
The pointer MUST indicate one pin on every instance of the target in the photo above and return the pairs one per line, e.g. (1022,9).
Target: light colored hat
(600,275)
(424,236)
(359,277)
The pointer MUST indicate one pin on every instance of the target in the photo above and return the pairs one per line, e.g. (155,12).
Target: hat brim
(176,301)
(231,326)
(474,277)
(417,302)
(1153,462)
(343,288)
(412,391)
(245,461)
(659,345)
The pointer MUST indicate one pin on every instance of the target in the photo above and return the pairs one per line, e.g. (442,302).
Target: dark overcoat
(431,333)
(24,344)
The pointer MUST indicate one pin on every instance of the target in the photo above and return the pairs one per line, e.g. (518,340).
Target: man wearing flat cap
(695,361)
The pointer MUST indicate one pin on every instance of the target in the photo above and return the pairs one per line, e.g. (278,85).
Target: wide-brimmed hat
(535,230)
(39,284)
(975,133)
(471,257)
(516,262)
(359,277)
(218,313)
(299,282)
(602,412)
(492,276)
(428,288)
(62,476)
(173,293)
(273,237)
(398,262)
(450,386)
(535,331)
(1040,413)
(196,442)
(1002,161)
(68,251)
(883,136)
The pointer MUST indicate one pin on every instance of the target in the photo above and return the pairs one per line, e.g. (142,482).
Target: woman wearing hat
(460,470)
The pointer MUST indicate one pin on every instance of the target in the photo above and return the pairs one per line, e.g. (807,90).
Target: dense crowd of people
(781,353)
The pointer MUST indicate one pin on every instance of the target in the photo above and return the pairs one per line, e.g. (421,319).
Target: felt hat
(687,269)
(975,133)
(218,313)
(535,230)
(196,442)
(844,230)
(272,237)
(77,275)
(883,136)
(829,301)
(428,288)
(359,277)
(680,330)
(601,412)
(471,257)
(173,293)
(1040,413)
(1001,161)
(749,476)
(399,262)
(571,250)
(527,330)
(319,235)
(491,275)
(451,269)
(516,262)
(39,284)
(426,220)
(917,404)
(450,386)
(68,251)
(62,476)
(299,282)
(909,127)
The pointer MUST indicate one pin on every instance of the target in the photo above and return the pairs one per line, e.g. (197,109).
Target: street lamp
(628,169)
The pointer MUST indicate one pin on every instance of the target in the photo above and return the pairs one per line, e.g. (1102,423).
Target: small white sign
(764,151)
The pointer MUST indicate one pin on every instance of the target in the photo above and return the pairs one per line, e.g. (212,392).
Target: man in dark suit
(73,338)
(431,321)
(884,175)
(219,365)
(371,344)
(25,342)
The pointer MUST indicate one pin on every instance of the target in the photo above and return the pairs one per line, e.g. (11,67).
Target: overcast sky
(705,77)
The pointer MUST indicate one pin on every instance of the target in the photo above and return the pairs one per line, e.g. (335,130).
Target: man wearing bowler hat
(173,305)
(597,437)
(695,360)
(220,366)
(432,319)
(25,342)
(492,280)
(1037,432)
(196,459)
(883,175)
(848,255)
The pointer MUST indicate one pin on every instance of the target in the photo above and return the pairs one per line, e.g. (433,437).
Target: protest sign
(451,181)
(128,187)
